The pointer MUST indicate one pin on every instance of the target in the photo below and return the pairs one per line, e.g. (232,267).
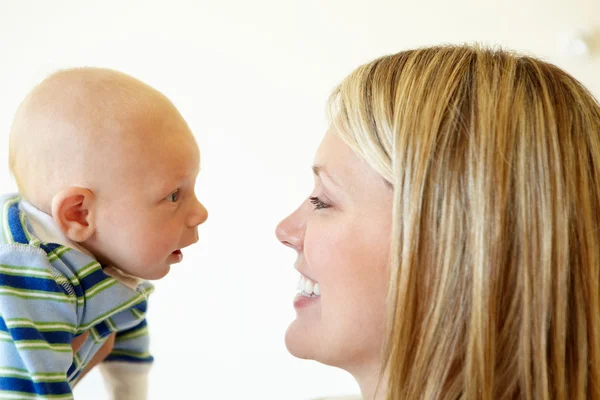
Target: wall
(252,79)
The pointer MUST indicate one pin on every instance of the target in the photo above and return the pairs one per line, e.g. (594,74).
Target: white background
(252,79)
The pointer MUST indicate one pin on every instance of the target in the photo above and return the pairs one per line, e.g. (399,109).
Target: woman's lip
(303,301)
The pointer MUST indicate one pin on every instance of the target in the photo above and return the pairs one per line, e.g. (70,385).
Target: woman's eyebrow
(319,170)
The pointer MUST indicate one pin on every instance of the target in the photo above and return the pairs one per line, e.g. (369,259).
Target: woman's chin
(299,341)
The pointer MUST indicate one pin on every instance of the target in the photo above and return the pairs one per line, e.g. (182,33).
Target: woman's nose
(290,231)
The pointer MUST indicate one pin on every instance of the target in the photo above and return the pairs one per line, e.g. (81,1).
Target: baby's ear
(73,210)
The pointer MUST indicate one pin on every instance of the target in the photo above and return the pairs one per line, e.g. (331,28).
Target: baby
(105,166)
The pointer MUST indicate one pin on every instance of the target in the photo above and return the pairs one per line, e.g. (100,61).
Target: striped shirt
(50,293)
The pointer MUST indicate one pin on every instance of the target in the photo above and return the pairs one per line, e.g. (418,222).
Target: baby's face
(149,212)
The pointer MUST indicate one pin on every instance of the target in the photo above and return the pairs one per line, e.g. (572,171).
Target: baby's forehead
(157,169)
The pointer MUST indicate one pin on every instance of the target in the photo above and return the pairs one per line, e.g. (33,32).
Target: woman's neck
(372,385)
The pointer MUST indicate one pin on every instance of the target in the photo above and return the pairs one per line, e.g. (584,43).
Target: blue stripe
(139,326)
(93,279)
(141,306)
(72,369)
(60,266)
(103,329)
(52,337)
(128,359)
(73,379)
(14,223)
(40,388)
(49,247)
(28,333)
(31,283)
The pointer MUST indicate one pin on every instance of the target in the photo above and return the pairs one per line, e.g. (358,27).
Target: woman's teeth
(308,288)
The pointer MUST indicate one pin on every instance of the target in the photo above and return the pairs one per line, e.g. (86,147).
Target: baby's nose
(198,216)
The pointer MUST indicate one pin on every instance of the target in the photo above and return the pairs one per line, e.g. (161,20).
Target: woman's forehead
(339,164)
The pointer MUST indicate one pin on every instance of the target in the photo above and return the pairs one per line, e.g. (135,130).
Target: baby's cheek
(155,248)
(142,249)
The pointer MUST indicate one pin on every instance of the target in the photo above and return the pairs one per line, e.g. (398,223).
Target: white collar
(47,231)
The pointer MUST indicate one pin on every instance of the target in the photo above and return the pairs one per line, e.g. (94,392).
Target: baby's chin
(152,273)
(156,273)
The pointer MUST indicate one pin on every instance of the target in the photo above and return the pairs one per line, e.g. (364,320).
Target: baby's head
(114,163)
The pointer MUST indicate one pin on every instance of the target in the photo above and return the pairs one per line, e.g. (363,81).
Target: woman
(451,246)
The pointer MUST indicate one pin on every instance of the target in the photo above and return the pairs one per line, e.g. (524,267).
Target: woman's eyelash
(317,203)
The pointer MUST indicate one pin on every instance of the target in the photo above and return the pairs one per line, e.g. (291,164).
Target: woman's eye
(173,197)
(317,203)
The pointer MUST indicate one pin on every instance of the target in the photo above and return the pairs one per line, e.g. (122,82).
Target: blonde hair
(495,260)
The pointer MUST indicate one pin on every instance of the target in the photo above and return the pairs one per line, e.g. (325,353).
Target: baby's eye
(173,197)
(318,203)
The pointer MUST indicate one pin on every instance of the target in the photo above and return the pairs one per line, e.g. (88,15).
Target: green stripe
(7,233)
(95,335)
(36,377)
(124,306)
(133,335)
(15,270)
(137,314)
(22,217)
(99,287)
(111,325)
(77,360)
(88,269)
(37,345)
(137,354)
(35,294)
(60,278)
(59,251)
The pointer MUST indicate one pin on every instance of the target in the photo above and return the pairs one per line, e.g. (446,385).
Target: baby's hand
(99,356)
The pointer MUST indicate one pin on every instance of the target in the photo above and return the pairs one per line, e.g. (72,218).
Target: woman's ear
(73,210)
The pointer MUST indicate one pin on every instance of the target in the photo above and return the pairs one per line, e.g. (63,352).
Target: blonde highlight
(494,159)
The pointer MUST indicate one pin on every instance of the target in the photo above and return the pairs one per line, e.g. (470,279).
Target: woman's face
(341,235)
